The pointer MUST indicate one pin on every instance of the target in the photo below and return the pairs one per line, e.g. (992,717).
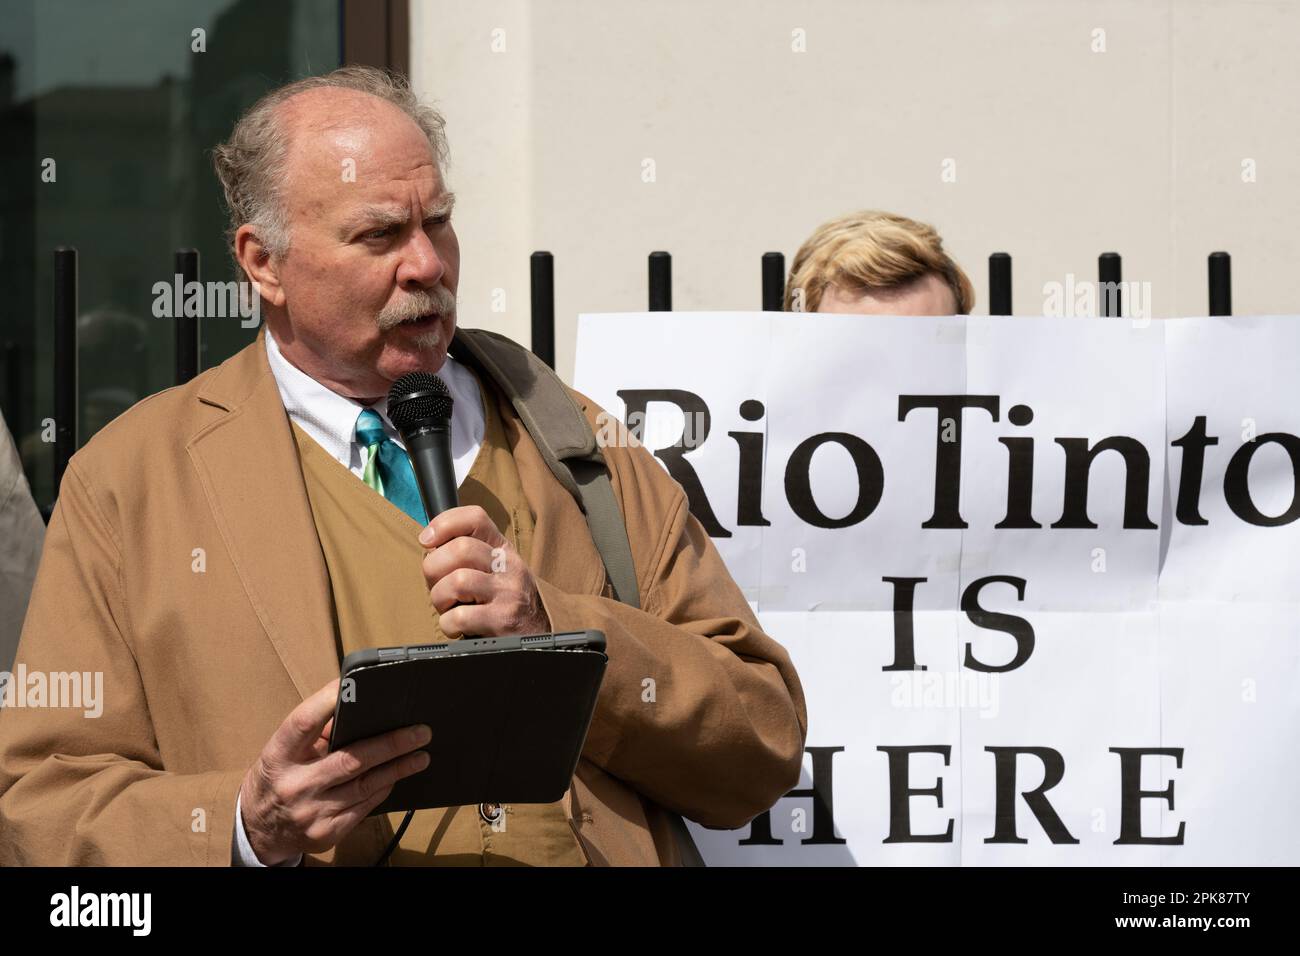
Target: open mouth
(421,321)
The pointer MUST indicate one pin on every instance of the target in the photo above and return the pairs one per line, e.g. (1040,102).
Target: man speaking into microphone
(218,549)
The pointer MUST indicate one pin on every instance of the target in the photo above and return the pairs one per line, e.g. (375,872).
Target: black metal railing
(542,288)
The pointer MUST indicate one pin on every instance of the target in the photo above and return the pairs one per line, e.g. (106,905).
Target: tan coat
(182,562)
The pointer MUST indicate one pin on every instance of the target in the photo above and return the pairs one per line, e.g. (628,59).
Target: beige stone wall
(1060,152)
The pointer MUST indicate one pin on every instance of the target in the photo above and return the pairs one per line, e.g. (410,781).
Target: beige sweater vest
(380,600)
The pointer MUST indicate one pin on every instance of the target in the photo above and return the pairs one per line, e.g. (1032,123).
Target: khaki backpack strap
(565,440)
(596,495)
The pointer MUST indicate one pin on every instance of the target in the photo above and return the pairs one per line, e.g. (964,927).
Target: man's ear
(257,263)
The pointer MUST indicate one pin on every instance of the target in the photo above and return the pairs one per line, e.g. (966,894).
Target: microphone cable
(397,838)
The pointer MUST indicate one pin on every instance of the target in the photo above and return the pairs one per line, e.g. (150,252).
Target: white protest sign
(1037,575)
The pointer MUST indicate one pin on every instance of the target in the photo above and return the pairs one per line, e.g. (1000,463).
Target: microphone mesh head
(418,398)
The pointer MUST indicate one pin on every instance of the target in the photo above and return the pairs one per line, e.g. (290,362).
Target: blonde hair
(873,250)
(250,164)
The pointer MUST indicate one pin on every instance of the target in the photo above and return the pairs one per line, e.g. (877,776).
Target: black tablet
(509,714)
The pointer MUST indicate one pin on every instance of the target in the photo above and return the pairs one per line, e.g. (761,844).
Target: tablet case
(508,725)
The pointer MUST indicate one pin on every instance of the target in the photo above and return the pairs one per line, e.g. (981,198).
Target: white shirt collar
(331,418)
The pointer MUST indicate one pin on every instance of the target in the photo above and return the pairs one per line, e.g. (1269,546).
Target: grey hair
(250,164)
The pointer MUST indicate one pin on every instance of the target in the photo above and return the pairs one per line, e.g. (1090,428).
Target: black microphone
(419,406)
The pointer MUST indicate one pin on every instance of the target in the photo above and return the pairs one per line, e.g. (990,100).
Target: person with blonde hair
(877,263)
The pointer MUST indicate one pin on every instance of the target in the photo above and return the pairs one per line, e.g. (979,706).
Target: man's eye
(437,221)
(380,233)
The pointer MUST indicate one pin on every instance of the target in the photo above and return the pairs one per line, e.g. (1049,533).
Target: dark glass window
(118,105)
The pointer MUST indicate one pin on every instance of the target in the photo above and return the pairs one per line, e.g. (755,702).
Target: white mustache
(437,301)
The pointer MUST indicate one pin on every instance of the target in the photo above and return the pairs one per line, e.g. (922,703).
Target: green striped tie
(388,469)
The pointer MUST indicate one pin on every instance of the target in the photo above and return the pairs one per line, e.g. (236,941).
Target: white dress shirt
(331,419)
